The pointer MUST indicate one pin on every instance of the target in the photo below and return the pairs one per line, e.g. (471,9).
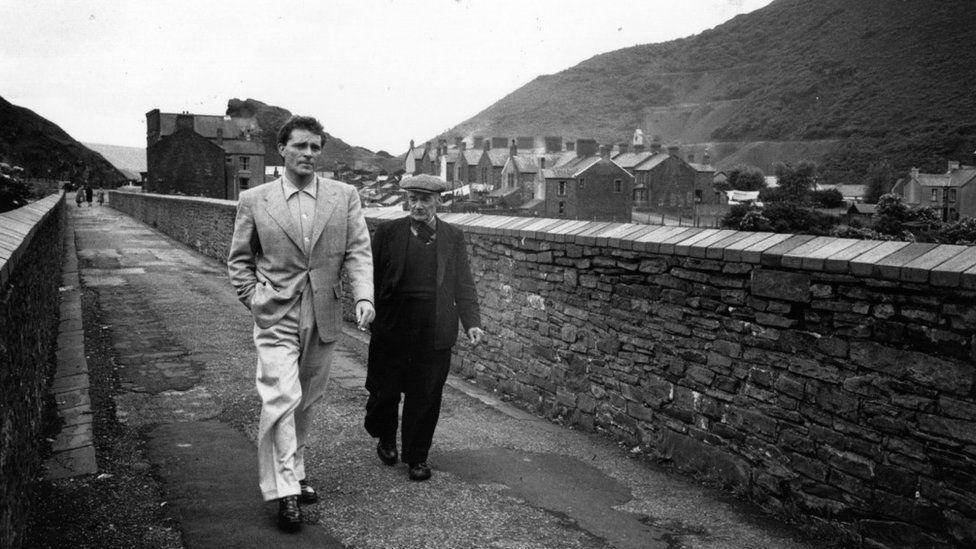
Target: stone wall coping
(942,265)
(200,199)
(17,230)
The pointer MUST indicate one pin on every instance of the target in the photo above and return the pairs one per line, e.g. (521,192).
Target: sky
(376,73)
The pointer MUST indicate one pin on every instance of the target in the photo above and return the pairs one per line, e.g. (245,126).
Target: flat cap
(423,183)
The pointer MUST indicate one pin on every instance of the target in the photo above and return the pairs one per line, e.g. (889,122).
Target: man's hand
(364,314)
(476,336)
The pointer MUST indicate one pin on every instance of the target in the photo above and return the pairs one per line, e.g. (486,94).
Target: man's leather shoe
(387,451)
(289,514)
(308,495)
(419,471)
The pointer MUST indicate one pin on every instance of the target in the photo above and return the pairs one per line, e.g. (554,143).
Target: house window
(245,164)
(952,195)
(245,183)
(561,191)
(618,186)
(562,208)
(935,195)
(511,179)
(582,183)
(484,175)
(698,196)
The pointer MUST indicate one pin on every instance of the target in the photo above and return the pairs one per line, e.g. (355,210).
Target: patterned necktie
(424,232)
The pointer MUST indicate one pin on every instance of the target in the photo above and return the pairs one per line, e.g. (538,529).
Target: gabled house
(593,187)
(202,155)
(952,193)
(665,181)
(413,163)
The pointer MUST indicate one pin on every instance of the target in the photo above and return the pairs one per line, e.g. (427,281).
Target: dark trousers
(406,362)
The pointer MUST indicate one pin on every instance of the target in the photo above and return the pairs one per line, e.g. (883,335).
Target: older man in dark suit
(423,286)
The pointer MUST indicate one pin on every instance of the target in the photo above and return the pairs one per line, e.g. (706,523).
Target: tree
(745,178)
(796,181)
(880,180)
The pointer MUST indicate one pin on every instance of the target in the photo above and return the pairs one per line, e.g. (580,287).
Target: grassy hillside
(888,78)
(44,150)
(123,158)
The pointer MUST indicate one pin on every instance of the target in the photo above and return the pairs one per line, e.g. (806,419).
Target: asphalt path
(503,477)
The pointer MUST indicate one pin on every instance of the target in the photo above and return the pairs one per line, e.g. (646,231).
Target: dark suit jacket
(457,298)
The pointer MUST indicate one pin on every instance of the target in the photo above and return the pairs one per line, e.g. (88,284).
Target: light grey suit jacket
(269,268)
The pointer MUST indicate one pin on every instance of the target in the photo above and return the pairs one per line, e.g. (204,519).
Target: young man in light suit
(292,237)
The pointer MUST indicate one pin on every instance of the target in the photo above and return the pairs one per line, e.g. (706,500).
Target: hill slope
(879,77)
(270,119)
(44,150)
(122,157)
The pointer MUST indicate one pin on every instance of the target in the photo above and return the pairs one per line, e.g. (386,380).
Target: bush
(959,232)
(14,193)
(790,217)
(830,198)
(860,233)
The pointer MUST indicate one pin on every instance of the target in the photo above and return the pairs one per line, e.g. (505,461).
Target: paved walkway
(503,478)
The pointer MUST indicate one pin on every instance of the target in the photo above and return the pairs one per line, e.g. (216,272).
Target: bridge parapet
(827,378)
(30,267)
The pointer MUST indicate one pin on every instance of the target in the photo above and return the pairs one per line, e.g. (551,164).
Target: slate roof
(630,159)
(204,124)
(651,161)
(571,169)
(498,157)
(702,168)
(955,178)
(472,156)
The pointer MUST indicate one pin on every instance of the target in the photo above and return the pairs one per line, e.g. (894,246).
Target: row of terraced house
(574,179)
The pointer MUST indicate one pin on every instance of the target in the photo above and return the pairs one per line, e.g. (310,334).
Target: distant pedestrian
(80,196)
(88,195)
(423,288)
(100,195)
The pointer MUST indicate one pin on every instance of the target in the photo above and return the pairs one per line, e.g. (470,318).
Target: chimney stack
(458,141)
(220,137)
(513,149)
(691,158)
(570,146)
(953,165)
(554,144)
(624,148)
(542,163)
(412,146)
(673,150)
(478,142)
(499,142)
(605,151)
(656,147)
(707,157)
(487,144)
(639,148)
(586,147)
(184,121)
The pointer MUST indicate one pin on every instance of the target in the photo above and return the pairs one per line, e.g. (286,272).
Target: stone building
(202,155)
(952,194)
(592,187)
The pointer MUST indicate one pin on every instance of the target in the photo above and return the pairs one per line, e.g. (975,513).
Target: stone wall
(828,379)
(30,274)
(204,224)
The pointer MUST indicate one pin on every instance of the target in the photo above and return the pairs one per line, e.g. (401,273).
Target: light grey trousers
(292,374)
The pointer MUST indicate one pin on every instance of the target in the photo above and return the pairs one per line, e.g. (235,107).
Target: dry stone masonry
(829,379)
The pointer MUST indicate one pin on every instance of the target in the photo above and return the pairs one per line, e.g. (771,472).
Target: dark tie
(424,232)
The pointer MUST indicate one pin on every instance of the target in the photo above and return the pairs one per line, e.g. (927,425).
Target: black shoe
(419,471)
(308,495)
(387,451)
(289,514)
